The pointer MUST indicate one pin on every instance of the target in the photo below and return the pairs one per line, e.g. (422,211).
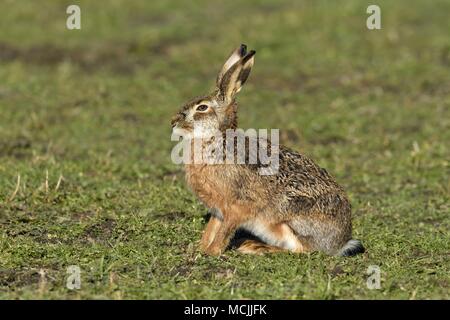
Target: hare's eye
(202,107)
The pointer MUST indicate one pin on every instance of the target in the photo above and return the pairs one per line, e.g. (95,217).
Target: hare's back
(307,186)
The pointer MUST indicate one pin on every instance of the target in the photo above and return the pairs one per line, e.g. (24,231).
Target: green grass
(93,107)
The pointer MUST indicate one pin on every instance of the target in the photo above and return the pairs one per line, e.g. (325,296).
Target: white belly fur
(286,240)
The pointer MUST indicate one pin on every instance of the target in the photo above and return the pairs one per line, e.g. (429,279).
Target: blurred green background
(85,123)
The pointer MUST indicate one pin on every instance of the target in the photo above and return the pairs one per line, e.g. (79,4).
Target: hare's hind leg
(322,233)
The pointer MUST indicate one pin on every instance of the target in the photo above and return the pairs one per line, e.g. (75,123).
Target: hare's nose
(175,120)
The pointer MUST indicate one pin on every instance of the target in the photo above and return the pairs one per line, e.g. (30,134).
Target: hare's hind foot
(257,247)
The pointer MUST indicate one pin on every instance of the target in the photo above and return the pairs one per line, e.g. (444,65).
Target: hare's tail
(351,248)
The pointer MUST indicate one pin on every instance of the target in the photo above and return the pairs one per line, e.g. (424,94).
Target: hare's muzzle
(176,119)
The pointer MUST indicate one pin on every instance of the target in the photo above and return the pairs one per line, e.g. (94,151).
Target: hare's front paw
(212,251)
(204,242)
(203,246)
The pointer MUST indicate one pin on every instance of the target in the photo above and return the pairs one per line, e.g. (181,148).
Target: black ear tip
(249,55)
(243,50)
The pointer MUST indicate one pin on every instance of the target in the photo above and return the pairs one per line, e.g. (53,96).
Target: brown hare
(300,208)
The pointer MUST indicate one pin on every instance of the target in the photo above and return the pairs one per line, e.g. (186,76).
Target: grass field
(85,123)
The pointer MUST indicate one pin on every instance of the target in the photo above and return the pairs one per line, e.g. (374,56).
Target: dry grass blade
(16,190)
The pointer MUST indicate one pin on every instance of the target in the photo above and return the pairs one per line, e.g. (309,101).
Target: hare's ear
(234,78)
(235,56)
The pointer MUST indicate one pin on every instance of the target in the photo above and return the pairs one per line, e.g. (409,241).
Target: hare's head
(203,116)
